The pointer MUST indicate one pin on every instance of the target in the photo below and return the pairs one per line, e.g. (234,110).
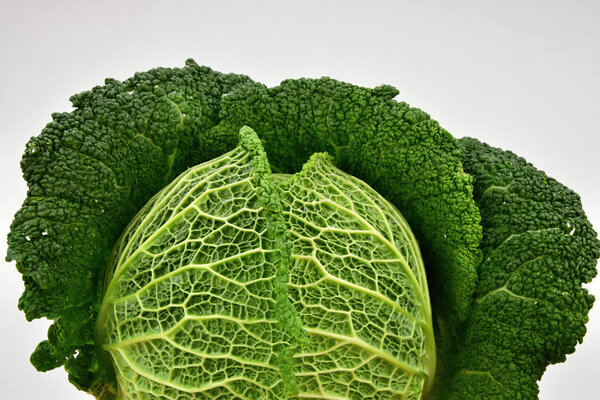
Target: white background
(521,75)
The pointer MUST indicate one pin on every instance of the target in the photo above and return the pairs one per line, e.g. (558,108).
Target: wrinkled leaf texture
(506,302)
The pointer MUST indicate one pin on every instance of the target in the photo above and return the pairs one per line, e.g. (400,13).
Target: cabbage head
(183,255)
(233,282)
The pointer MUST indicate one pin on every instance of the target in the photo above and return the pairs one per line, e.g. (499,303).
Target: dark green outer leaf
(530,308)
(92,169)
(88,173)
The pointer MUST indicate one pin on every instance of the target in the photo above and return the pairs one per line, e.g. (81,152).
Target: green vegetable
(233,281)
(529,308)
(224,271)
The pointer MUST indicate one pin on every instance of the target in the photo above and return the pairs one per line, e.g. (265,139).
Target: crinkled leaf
(359,285)
(88,173)
(530,308)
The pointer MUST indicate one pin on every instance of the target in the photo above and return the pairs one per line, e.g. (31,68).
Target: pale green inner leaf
(193,297)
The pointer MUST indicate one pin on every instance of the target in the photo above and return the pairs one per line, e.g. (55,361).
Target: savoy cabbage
(199,235)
